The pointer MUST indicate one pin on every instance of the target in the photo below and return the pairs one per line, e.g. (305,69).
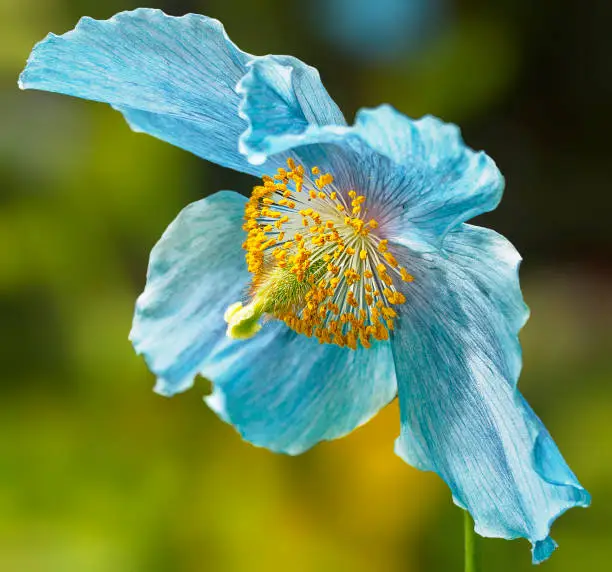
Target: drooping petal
(176,79)
(171,77)
(281,96)
(196,270)
(287,392)
(457,360)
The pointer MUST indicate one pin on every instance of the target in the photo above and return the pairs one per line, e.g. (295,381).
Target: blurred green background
(99,474)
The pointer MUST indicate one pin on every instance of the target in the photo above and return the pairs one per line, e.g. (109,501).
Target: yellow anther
(351,340)
(388,312)
(391,259)
(405,276)
(323,279)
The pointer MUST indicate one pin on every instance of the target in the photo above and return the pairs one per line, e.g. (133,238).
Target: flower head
(347,278)
(379,30)
(318,261)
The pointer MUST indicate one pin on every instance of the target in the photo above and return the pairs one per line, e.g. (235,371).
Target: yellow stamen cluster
(299,225)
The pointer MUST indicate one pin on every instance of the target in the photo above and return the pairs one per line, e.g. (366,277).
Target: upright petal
(457,360)
(422,176)
(173,78)
(282,96)
(287,392)
(447,182)
(196,270)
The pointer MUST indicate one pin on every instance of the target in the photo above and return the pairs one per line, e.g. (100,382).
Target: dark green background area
(99,474)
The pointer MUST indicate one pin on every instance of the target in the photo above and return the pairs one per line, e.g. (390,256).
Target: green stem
(469,543)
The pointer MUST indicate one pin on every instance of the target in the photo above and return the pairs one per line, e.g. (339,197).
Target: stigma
(319,262)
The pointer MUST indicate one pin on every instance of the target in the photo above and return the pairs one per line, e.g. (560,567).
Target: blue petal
(173,78)
(420,173)
(457,360)
(286,392)
(449,184)
(196,270)
(176,79)
(281,390)
(282,96)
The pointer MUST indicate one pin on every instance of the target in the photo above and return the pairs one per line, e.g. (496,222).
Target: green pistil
(280,292)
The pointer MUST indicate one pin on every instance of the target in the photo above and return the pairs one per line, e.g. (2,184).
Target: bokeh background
(98,474)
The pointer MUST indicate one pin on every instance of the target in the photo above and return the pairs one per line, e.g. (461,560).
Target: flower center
(318,262)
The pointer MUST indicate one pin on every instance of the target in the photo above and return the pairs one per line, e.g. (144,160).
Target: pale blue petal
(449,182)
(280,390)
(281,96)
(287,392)
(196,270)
(420,174)
(173,78)
(457,360)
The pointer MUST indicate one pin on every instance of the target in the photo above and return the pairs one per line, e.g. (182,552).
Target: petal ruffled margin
(196,270)
(457,359)
(287,392)
(178,79)
(281,96)
(448,183)
(173,78)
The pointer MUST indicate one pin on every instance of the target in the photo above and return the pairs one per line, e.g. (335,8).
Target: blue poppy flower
(361,280)
(380,29)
